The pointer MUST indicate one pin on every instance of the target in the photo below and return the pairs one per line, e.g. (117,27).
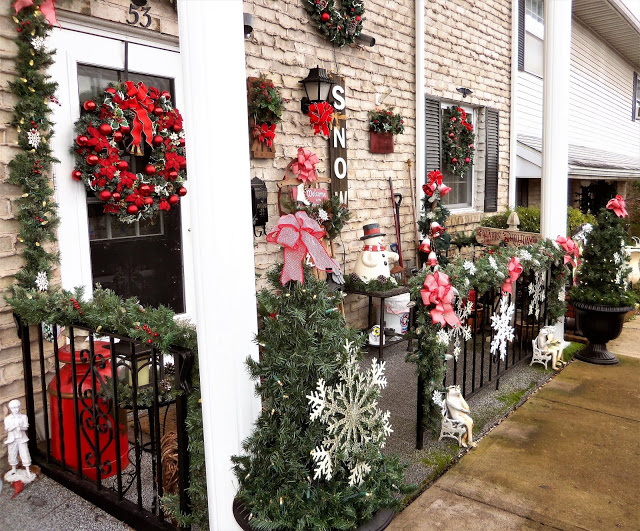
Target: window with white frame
(534,36)
(461,192)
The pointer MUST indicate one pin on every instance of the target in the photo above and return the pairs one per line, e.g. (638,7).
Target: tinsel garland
(37,216)
(36,211)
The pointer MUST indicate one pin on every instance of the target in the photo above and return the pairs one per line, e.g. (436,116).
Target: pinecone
(169,368)
(165,385)
(353,277)
(382,278)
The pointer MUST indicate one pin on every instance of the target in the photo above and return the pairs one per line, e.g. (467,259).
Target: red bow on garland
(299,234)
(265,133)
(47,7)
(139,102)
(569,246)
(440,292)
(617,205)
(320,115)
(515,270)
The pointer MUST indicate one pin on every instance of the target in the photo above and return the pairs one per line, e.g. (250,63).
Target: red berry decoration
(76,175)
(182,191)
(173,199)
(325,17)
(105,129)
(128,118)
(104,195)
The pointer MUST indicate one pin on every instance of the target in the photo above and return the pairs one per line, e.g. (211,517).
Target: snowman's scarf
(374,248)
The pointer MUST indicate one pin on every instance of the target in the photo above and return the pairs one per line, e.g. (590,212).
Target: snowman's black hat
(372,230)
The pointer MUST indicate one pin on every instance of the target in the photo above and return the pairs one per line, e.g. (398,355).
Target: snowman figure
(374,259)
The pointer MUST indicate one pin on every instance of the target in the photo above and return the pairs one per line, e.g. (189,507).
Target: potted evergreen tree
(601,296)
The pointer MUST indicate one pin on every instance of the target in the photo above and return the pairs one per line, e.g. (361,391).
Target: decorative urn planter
(599,324)
(380,142)
(380,520)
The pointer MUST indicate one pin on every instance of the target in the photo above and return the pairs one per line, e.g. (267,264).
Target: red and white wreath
(129,116)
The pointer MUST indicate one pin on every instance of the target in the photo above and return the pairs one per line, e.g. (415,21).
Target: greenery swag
(339,26)
(457,140)
(386,121)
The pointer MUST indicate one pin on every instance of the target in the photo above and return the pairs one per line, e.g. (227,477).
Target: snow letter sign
(338,141)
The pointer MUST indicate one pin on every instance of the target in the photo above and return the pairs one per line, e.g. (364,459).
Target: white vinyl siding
(600,97)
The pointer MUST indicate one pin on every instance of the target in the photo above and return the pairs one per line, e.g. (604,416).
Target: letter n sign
(338,142)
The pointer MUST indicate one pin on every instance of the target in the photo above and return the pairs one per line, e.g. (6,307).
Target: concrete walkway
(568,459)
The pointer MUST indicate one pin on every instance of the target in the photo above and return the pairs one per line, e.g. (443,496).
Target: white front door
(146,260)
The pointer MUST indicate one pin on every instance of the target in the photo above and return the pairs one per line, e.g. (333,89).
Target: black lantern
(317,85)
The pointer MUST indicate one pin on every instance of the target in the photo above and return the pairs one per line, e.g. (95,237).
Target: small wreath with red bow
(457,140)
(340,26)
(128,117)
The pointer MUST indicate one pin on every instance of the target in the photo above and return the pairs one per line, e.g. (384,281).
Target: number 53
(146,18)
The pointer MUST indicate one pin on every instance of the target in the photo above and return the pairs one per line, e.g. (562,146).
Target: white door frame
(75,45)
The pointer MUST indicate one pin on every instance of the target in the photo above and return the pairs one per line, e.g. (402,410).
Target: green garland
(457,140)
(338,26)
(37,215)
(29,169)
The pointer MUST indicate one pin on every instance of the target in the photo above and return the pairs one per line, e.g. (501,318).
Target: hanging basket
(380,142)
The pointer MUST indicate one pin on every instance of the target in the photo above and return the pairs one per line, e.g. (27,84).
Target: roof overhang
(614,22)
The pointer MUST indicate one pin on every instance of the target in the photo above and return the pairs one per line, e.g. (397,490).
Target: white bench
(540,356)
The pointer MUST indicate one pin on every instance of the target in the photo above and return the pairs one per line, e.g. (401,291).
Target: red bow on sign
(320,115)
(440,292)
(299,234)
(139,102)
(47,7)
(265,133)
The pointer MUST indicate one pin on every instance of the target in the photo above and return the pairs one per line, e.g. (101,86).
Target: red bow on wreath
(139,102)
(299,234)
(47,8)
(265,133)
(320,115)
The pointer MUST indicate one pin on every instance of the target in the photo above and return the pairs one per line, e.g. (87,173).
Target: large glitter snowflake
(352,418)
(463,311)
(501,324)
(537,293)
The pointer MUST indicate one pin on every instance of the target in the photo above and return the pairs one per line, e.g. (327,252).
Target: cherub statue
(547,343)
(16,424)
(459,410)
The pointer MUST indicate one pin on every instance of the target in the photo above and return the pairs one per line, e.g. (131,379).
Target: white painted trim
(513,136)
(419,168)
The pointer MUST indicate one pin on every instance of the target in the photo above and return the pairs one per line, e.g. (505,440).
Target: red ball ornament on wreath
(325,17)
(130,119)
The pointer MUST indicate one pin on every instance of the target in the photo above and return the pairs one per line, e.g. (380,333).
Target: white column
(419,171)
(555,134)
(513,135)
(212,50)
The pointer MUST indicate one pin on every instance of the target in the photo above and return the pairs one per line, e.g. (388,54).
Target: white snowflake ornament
(537,292)
(353,422)
(438,400)
(469,267)
(322,214)
(463,311)
(37,43)
(41,281)
(501,324)
(33,138)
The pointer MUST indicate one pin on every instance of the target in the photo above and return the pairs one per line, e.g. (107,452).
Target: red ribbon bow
(265,133)
(305,167)
(139,102)
(617,205)
(47,7)
(320,115)
(440,292)
(569,246)
(299,234)
(515,270)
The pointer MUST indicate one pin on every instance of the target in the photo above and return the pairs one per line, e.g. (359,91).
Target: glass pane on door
(141,259)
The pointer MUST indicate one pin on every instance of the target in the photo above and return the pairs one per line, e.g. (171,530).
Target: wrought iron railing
(476,367)
(110,421)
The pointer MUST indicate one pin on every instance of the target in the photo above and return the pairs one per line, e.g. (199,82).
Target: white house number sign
(338,141)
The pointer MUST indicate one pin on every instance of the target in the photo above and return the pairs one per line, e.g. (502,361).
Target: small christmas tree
(602,274)
(313,460)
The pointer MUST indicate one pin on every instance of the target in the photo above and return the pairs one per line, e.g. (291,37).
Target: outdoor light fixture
(316,85)
(464,91)
(366,40)
(248,25)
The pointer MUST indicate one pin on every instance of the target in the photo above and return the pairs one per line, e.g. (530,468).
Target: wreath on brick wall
(340,26)
(457,140)
(128,117)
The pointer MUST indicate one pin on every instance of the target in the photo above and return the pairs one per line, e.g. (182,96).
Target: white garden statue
(459,410)
(547,343)
(15,425)
(373,261)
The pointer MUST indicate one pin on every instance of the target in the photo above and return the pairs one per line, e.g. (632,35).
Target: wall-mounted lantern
(317,86)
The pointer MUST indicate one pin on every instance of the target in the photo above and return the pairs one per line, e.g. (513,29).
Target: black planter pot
(379,521)
(599,324)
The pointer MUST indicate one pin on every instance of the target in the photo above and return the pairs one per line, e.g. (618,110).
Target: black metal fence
(475,367)
(107,419)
